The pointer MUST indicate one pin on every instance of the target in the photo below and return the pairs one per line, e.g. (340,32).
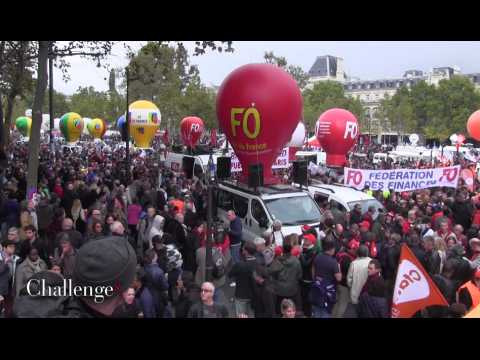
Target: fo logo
(351,129)
(354,177)
(76,123)
(195,128)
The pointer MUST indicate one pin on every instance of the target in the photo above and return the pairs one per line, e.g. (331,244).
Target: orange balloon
(473,125)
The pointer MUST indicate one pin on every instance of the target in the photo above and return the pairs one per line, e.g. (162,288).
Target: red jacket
(476,218)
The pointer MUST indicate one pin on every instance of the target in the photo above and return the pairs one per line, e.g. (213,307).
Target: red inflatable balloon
(191,128)
(337,132)
(258,108)
(473,125)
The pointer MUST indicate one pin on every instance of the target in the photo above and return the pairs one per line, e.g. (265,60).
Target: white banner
(281,163)
(402,179)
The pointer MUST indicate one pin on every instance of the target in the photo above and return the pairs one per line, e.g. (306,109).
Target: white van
(317,157)
(343,197)
(258,209)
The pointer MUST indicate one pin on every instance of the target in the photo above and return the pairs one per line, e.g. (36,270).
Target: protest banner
(402,179)
(281,162)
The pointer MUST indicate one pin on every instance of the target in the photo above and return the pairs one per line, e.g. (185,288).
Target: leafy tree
(296,71)
(15,79)
(326,95)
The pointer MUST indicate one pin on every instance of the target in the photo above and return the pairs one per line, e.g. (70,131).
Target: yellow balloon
(145,120)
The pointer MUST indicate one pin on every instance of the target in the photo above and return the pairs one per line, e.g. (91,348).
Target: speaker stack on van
(255,175)
(187,166)
(224,167)
(300,172)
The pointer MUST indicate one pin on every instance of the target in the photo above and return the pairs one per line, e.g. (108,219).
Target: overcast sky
(366,60)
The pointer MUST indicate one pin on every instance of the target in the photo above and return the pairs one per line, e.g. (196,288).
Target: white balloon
(298,136)
(413,138)
(454,138)
(28,113)
(56,123)
(86,120)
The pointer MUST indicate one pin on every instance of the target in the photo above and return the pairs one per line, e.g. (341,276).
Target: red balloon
(337,132)
(258,108)
(473,125)
(191,128)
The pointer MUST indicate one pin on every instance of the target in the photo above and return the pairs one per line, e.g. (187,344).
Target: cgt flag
(414,289)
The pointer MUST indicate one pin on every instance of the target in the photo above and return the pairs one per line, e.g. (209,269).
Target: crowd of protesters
(146,236)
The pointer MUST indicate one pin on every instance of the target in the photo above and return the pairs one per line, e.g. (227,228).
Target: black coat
(462,214)
(242,272)
(174,228)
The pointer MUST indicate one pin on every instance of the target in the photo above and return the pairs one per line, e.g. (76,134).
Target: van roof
(347,193)
(265,192)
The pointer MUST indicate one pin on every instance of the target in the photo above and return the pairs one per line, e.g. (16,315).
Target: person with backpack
(326,274)
(344,259)
(242,273)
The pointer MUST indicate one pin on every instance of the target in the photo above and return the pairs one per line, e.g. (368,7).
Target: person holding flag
(414,290)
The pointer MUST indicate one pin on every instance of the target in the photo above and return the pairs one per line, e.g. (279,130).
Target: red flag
(165,137)
(468,176)
(414,289)
(213,138)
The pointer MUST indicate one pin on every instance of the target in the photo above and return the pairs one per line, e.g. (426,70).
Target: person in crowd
(9,263)
(96,232)
(31,265)
(344,258)
(65,258)
(357,276)
(129,308)
(144,227)
(207,307)
(32,241)
(242,272)
(372,302)
(286,273)
(288,309)
(309,252)
(469,293)
(155,281)
(326,274)
(235,234)
(134,211)
(110,261)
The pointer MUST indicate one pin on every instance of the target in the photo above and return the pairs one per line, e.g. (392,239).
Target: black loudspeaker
(300,172)
(224,167)
(255,175)
(187,166)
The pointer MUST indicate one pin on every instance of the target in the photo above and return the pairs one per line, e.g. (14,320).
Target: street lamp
(127,124)
(50,99)
(210,230)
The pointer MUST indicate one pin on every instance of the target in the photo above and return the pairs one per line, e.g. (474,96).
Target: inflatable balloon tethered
(258,109)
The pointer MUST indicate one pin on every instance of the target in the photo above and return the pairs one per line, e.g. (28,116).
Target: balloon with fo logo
(24,125)
(97,128)
(191,129)
(145,120)
(258,108)
(71,126)
(337,132)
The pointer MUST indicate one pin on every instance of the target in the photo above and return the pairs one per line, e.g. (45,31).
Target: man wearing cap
(306,260)
(108,262)
(469,293)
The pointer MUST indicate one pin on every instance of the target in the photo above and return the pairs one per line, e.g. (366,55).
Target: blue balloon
(121,122)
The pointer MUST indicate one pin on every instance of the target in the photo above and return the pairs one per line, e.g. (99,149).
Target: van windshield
(295,210)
